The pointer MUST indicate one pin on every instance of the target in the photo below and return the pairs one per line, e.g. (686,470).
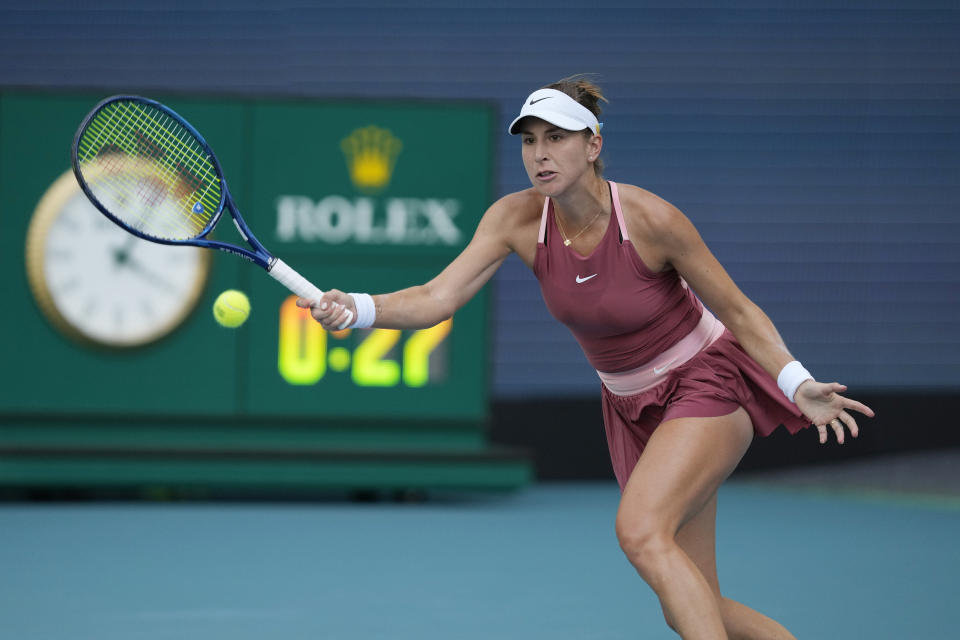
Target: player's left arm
(685,250)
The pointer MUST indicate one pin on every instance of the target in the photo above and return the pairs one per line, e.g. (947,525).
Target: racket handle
(285,275)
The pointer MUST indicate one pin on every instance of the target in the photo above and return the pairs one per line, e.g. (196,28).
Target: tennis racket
(149,171)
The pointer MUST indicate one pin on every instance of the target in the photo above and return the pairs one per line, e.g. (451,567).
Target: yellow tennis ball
(231,308)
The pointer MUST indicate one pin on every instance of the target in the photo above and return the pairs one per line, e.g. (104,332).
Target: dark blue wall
(816,145)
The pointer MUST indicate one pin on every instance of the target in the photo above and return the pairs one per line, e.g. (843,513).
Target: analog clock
(98,283)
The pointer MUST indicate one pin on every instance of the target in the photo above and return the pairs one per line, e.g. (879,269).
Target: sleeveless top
(622,314)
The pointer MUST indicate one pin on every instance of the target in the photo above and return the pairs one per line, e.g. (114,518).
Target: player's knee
(645,543)
(668,619)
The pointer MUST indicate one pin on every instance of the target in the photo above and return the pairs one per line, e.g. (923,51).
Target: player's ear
(594,147)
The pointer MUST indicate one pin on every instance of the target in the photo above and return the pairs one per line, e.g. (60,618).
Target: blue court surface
(540,563)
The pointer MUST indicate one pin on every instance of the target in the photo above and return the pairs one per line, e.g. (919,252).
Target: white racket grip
(285,275)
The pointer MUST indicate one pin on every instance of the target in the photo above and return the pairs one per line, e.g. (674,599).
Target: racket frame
(258,255)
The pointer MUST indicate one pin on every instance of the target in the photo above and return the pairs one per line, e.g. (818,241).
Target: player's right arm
(427,304)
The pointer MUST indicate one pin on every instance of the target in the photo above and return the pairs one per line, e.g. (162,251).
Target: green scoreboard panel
(361,196)
(370,197)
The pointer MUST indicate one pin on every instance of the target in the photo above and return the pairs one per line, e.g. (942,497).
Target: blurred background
(165,477)
(814,145)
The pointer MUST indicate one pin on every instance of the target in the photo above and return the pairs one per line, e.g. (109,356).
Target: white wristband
(792,376)
(366,310)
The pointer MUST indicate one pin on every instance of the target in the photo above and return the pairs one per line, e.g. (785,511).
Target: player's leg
(684,463)
(698,540)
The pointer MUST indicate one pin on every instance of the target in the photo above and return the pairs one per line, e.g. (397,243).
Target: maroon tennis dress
(659,353)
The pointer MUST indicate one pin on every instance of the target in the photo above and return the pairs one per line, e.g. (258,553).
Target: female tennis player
(683,390)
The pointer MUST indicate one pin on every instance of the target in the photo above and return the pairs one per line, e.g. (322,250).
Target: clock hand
(123,258)
(122,254)
(150,276)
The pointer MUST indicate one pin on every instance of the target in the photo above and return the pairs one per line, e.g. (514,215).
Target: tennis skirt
(713,383)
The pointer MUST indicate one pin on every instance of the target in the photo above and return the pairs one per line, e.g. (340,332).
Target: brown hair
(581,88)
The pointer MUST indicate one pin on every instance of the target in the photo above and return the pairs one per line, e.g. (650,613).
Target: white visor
(558,109)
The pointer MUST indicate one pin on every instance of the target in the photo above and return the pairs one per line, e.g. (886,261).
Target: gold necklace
(567,241)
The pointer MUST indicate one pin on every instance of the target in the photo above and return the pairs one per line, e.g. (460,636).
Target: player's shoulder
(645,211)
(521,201)
(516,208)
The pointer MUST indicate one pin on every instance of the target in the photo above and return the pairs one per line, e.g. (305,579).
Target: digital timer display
(374,358)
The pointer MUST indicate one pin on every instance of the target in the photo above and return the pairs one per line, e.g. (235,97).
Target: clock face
(98,283)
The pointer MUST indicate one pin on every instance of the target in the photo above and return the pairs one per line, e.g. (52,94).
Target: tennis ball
(231,308)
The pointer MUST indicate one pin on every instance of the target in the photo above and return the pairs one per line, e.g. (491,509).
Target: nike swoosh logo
(582,280)
(539,99)
(658,370)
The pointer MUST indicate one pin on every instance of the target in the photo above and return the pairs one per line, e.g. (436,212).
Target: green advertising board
(356,195)
(365,198)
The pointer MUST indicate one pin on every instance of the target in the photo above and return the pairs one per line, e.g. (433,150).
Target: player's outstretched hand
(823,405)
(333,311)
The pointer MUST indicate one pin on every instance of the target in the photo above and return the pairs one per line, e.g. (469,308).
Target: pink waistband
(628,383)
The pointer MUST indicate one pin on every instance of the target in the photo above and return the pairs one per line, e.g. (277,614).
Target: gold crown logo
(371,154)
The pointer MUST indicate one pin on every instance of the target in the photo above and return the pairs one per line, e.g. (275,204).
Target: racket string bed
(170,142)
(115,131)
(191,159)
(167,159)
